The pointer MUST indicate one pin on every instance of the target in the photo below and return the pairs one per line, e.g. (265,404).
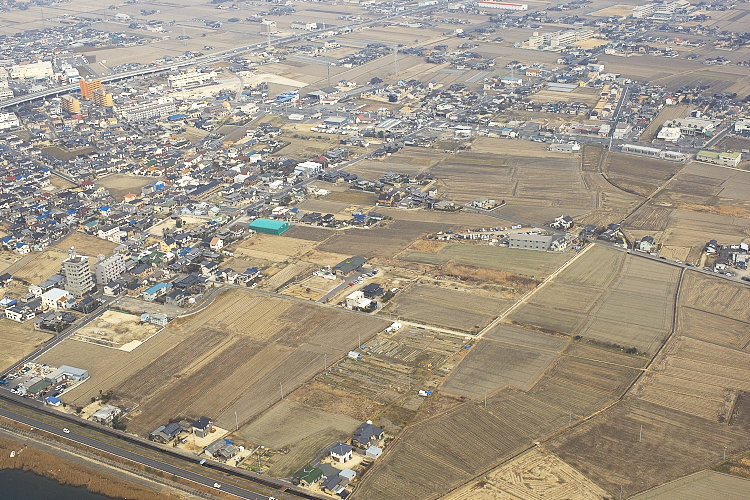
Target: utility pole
(725,453)
(485,399)
(281,388)
(640,436)
(325,361)
(329,72)
(236,422)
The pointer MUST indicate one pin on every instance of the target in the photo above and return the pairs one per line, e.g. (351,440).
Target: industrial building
(543,242)
(269,226)
(36,70)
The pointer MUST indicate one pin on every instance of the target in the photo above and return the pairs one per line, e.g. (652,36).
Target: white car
(217,485)
(66,430)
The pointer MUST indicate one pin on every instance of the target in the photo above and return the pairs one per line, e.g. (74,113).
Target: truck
(354,355)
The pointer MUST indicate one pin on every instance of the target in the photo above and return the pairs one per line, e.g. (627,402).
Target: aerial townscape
(379,250)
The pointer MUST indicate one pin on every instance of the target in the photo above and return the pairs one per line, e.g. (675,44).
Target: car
(66,430)
(351,283)
(217,486)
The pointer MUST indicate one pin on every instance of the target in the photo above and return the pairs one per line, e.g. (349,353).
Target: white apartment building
(9,121)
(191,79)
(109,269)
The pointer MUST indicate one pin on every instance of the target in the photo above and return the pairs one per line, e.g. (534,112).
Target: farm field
(116,330)
(716,295)
(447,308)
(535,474)
(506,356)
(607,449)
(304,431)
(309,233)
(446,451)
(703,202)
(87,244)
(120,184)
(19,340)
(381,242)
(273,248)
(529,263)
(525,183)
(385,382)
(700,485)
(229,357)
(312,288)
(595,298)
(697,377)
(639,175)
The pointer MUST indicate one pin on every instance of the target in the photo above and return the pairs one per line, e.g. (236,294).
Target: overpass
(205,59)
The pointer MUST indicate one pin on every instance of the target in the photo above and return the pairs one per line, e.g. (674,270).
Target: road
(131,456)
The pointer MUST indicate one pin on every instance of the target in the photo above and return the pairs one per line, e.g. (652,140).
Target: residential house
(367,434)
(202,427)
(106,414)
(341,452)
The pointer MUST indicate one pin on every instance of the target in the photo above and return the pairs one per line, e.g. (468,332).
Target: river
(19,484)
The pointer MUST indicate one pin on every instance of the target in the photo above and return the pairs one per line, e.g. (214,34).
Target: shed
(373,452)
(269,226)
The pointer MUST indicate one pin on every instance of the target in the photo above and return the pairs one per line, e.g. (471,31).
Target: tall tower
(78,280)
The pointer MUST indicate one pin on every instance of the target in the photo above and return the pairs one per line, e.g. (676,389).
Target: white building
(9,121)
(56,298)
(37,70)
(154,109)
(109,269)
(488,4)
(726,159)
(357,300)
(191,79)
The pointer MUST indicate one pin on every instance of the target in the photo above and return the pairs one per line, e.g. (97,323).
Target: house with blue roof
(156,291)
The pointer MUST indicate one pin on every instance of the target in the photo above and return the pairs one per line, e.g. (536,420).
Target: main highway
(208,58)
(281,490)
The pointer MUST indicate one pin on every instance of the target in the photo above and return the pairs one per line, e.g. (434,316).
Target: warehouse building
(486,4)
(543,242)
(269,226)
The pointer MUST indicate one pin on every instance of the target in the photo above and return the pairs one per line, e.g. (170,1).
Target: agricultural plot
(304,431)
(447,308)
(530,263)
(697,377)
(718,296)
(607,448)
(535,474)
(703,484)
(539,188)
(596,295)
(444,452)
(309,233)
(505,357)
(394,367)
(231,357)
(410,161)
(18,340)
(273,248)
(383,242)
(639,175)
(312,288)
(714,328)
(116,330)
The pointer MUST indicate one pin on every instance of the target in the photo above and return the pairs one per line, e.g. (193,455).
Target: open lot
(121,184)
(529,263)
(273,248)
(229,357)
(19,340)
(117,330)
(87,244)
(44,265)
(304,431)
(448,308)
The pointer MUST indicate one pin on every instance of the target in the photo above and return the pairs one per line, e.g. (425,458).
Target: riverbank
(73,469)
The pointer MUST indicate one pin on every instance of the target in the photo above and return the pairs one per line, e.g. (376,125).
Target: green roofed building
(726,159)
(308,475)
(268,226)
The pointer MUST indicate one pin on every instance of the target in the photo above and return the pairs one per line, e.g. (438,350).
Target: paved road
(129,455)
